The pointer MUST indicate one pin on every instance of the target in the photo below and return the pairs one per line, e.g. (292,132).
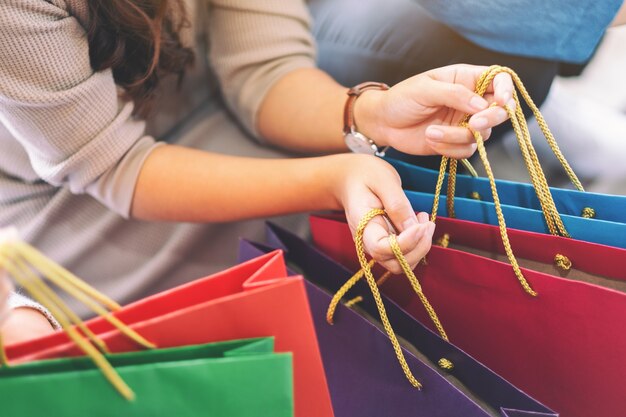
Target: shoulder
(24,13)
(32,9)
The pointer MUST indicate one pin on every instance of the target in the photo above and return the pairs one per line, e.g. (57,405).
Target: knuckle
(378,252)
(392,266)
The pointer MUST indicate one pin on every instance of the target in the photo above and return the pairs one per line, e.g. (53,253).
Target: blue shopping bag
(574,203)
(520,205)
(584,216)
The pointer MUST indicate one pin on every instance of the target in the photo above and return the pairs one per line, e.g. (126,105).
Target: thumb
(396,204)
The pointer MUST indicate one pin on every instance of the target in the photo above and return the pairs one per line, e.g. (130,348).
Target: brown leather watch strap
(353,93)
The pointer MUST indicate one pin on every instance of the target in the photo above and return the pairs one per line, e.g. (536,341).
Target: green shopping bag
(242,378)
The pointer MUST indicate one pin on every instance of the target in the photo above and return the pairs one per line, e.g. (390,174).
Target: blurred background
(587,115)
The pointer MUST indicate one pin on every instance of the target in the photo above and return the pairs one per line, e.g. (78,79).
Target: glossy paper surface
(555,346)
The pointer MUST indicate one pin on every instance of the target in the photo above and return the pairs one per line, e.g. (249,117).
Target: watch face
(360,144)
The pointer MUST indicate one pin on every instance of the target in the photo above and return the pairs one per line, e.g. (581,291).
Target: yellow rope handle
(53,298)
(451,188)
(105,367)
(501,223)
(25,264)
(531,160)
(4,361)
(553,220)
(406,268)
(81,291)
(366,271)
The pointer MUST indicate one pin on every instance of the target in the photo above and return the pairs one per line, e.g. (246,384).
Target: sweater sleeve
(19,301)
(252,45)
(76,130)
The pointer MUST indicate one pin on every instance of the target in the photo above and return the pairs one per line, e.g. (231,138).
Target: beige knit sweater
(70,122)
(71,151)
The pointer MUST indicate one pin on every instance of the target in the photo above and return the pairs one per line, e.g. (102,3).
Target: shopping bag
(233,378)
(419,186)
(611,208)
(363,375)
(562,346)
(549,219)
(254,299)
(554,255)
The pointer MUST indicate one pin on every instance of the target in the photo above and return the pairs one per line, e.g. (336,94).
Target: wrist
(367,116)
(336,173)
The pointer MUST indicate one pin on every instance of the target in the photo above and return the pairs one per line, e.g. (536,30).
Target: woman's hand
(420,115)
(20,324)
(365,182)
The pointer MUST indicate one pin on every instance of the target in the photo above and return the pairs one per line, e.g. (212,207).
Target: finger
(376,239)
(396,205)
(489,118)
(485,134)
(502,88)
(455,151)
(414,244)
(417,244)
(423,217)
(449,135)
(456,96)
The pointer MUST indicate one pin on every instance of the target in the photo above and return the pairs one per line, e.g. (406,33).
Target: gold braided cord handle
(26,265)
(553,220)
(501,223)
(531,160)
(366,270)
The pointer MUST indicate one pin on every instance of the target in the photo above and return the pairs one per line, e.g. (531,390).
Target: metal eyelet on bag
(588,213)
(445,364)
(443,241)
(475,195)
(562,262)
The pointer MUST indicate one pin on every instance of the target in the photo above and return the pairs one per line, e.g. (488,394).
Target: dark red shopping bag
(245,301)
(565,347)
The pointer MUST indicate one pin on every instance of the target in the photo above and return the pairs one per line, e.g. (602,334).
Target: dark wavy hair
(139,40)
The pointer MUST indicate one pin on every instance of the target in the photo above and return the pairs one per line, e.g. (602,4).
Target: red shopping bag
(554,255)
(245,301)
(565,347)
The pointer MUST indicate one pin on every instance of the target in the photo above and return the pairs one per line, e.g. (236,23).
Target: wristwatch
(355,140)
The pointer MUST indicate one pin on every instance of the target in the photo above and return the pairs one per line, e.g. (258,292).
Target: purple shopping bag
(361,368)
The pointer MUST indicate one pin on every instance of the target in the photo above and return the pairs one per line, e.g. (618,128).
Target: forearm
(303,112)
(181,184)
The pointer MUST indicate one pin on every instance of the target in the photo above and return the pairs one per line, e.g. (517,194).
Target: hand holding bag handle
(366,270)
(529,154)
(25,264)
(538,179)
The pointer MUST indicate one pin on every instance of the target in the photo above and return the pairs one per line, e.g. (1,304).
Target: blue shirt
(561,30)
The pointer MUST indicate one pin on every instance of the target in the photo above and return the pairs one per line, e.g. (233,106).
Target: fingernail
(434,133)
(479,123)
(478,103)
